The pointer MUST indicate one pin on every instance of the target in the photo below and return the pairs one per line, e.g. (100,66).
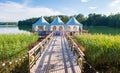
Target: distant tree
(80,17)
(97,20)
(27,24)
(91,20)
(64,18)
(49,19)
(114,20)
(8,23)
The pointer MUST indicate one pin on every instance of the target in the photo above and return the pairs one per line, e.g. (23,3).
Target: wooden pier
(56,58)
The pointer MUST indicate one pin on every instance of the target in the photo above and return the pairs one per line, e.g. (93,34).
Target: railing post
(34,51)
(76,51)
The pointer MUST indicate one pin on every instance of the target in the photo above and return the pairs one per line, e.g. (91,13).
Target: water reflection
(11,30)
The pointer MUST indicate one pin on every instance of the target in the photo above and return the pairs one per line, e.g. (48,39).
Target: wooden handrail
(38,45)
(75,45)
(32,52)
(79,55)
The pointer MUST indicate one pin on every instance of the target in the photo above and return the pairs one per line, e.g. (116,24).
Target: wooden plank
(41,63)
(72,59)
(59,56)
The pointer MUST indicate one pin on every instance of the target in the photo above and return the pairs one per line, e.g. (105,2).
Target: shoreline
(8,25)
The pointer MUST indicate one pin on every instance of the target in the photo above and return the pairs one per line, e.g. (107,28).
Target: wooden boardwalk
(57,58)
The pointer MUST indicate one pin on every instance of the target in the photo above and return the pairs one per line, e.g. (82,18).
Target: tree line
(112,20)
(8,23)
(103,20)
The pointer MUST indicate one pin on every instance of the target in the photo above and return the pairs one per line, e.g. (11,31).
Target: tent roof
(73,21)
(57,21)
(41,22)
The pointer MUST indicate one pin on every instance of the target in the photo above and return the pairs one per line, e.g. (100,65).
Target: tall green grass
(101,50)
(13,46)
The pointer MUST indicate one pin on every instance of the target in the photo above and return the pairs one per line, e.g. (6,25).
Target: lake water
(11,30)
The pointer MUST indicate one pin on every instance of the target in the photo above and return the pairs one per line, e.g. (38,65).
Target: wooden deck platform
(57,58)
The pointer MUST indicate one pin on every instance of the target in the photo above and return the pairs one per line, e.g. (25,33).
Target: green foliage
(92,20)
(65,19)
(50,19)
(101,50)
(97,20)
(103,20)
(114,20)
(81,18)
(8,23)
(27,24)
(13,46)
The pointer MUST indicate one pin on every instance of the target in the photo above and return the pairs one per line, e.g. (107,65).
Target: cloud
(12,11)
(84,1)
(69,11)
(115,3)
(26,2)
(92,7)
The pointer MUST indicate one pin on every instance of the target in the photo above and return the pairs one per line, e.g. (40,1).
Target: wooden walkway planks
(59,56)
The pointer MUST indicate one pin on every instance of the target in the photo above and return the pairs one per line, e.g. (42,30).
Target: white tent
(74,25)
(57,24)
(41,25)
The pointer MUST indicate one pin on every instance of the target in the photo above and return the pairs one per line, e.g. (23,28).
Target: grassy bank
(13,52)
(13,46)
(101,51)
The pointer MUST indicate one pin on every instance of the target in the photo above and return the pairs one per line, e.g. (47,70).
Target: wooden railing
(79,55)
(36,51)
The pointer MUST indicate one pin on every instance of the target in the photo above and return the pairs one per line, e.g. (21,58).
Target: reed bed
(13,46)
(101,51)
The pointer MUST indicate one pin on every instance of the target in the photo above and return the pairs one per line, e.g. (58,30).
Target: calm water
(10,30)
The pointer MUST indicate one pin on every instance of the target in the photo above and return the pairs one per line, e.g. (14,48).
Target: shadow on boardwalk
(59,56)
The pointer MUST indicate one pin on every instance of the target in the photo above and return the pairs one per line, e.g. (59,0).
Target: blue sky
(15,10)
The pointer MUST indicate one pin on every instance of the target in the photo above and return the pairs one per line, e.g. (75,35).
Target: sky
(15,10)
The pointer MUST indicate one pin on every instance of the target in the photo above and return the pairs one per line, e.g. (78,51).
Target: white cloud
(11,11)
(69,11)
(115,3)
(84,1)
(92,7)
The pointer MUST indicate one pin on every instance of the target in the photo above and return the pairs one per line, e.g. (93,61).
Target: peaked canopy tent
(41,25)
(57,24)
(74,26)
